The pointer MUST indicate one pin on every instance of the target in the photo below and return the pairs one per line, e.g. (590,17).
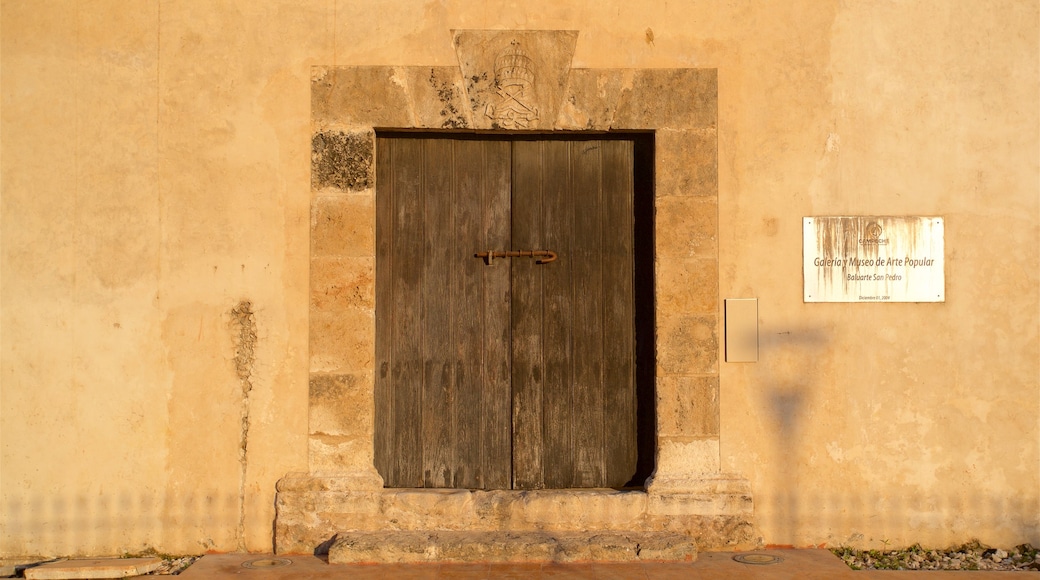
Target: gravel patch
(971,556)
(173,565)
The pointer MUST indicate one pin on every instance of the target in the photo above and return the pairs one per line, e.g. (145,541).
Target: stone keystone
(515,79)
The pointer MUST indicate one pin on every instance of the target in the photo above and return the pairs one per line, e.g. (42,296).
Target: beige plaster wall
(155,165)
(866,424)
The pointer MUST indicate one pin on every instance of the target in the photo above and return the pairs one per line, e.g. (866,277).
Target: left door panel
(442,369)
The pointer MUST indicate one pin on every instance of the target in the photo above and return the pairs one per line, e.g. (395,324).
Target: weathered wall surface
(898,423)
(154,251)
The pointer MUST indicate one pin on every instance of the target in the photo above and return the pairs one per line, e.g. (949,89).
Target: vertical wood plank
(467,319)
(496,401)
(406,370)
(619,383)
(558,214)
(588,415)
(438,374)
(481,213)
(527,365)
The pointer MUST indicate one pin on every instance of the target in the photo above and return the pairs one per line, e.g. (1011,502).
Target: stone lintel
(683,98)
(359,96)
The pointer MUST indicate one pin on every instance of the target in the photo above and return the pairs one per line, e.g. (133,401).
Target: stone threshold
(461,546)
(714,512)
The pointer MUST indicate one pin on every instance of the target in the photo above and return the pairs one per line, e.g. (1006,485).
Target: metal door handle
(544,256)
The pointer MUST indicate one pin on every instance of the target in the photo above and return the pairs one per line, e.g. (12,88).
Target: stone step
(464,546)
(93,568)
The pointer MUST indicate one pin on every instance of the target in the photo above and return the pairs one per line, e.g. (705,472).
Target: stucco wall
(155,174)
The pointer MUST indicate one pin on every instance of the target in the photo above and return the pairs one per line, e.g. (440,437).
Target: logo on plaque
(514,77)
(873,235)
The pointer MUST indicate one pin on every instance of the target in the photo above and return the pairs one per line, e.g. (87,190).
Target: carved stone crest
(514,79)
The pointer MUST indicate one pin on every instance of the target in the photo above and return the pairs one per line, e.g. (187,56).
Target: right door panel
(573,345)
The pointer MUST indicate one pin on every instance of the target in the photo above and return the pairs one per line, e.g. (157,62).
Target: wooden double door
(506,372)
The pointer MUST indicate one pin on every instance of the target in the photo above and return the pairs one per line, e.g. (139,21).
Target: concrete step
(93,568)
(465,546)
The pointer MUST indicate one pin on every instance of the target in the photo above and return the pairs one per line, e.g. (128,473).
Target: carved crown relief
(514,79)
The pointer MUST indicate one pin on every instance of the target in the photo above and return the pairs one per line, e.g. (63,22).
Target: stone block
(342,405)
(669,99)
(354,482)
(13,567)
(702,484)
(686,456)
(687,344)
(359,96)
(343,226)
(342,161)
(688,285)
(438,97)
(339,284)
(331,454)
(687,162)
(679,504)
(688,406)
(307,519)
(714,532)
(580,510)
(590,99)
(343,343)
(430,508)
(686,227)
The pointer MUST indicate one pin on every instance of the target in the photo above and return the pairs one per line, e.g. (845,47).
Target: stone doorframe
(512,80)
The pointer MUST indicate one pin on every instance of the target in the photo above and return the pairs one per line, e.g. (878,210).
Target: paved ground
(795,564)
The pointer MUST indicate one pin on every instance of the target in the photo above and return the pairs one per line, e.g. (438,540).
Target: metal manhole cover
(758,559)
(265,563)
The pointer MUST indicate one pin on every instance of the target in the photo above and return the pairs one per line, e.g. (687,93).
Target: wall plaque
(873,259)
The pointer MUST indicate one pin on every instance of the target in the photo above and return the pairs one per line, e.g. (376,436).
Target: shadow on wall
(786,374)
(200,522)
(120,523)
(787,358)
(127,522)
(877,522)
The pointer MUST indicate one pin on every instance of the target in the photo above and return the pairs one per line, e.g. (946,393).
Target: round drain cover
(759,559)
(264,563)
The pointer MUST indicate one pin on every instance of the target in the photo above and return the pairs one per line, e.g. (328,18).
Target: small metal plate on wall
(742,330)
(758,559)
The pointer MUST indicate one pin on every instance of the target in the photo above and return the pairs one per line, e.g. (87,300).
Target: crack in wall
(243,329)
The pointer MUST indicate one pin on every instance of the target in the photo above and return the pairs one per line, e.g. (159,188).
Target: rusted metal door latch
(544,256)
